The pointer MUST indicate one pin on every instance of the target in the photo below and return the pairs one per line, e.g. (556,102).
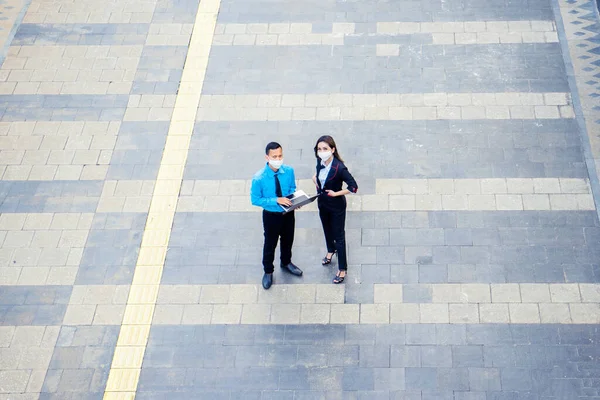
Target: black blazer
(338,174)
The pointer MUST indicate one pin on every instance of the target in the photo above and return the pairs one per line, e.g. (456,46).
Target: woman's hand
(331,193)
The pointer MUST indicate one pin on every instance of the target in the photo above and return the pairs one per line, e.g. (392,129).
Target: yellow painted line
(127,361)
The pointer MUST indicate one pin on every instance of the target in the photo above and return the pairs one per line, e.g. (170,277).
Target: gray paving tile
(35,295)
(405,356)
(80,34)
(344,356)
(140,135)
(467,356)
(421,378)
(471,395)
(159,66)
(175,12)
(451,334)
(293,379)
(420,253)
(33,305)
(478,156)
(436,356)
(420,334)
(417,294)
(377,356)
(455,379)
(238,11)
(405,394)
(516,379)
(273,395)
(439,380)
(358,379)
(315,69)
(390,334)
(111,249)
(404,274)
(143,168)
(80,362)
(484,380)
(60,107)
(349,362)
(54,196)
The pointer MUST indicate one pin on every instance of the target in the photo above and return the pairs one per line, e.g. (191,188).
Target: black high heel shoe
(338,278)
(327,260)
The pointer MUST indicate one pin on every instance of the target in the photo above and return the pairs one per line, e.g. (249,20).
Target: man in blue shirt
(270,186)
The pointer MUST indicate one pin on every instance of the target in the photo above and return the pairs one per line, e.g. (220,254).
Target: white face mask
(324,155)
(276,163)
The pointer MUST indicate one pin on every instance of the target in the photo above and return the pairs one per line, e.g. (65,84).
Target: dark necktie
(277,187)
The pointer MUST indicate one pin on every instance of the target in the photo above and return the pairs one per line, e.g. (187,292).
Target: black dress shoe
(267,281)
(292,269)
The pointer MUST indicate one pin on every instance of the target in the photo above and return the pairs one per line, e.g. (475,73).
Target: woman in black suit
(331,173)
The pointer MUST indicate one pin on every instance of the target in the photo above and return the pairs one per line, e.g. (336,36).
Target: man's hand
(284,201)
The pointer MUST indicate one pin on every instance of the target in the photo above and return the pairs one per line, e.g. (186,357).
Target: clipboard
(299,199)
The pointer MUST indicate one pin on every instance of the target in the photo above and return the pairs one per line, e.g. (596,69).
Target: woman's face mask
(324,155)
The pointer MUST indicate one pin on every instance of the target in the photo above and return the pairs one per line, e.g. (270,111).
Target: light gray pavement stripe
(467,27)
(440,33)
(388,33)
(471,293)
(390,194)
(413,106)
(393,27)
(324,304)
(451,303)
(383,49)
(25,354)
(334,294)
(386,99)
(63,69)
(42,248)
(399,202)
(249,314)
(91,12)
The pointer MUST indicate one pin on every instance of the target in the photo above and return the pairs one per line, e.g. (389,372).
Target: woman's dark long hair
(331,143)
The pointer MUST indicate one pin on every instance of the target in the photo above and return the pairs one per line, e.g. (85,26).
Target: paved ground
(130,255)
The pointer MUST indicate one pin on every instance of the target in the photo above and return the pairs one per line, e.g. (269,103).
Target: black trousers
(334,222)
(277,225)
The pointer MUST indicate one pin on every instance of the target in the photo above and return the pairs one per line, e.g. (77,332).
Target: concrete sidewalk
(130,254)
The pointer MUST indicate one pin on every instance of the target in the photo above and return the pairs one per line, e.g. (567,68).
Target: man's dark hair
(272,146)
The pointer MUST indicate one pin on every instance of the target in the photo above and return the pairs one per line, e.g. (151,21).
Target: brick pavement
(130,255)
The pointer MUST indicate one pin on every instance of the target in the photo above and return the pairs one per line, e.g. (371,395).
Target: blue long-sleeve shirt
(262,192)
